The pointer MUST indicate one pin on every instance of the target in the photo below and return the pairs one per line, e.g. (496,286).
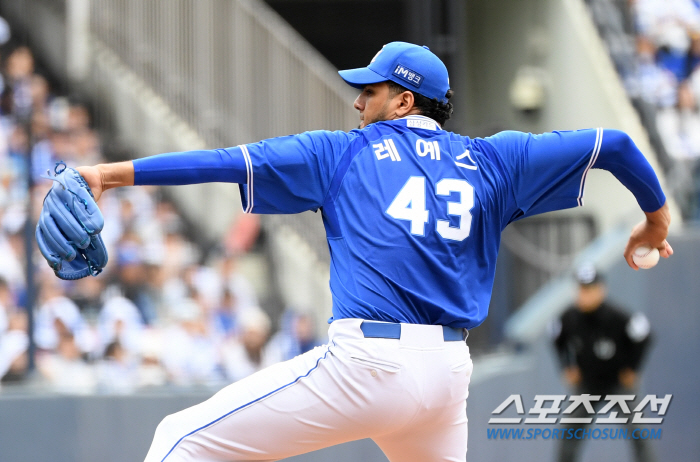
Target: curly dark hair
(439,112)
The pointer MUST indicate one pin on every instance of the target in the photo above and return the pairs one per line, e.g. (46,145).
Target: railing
(232,69)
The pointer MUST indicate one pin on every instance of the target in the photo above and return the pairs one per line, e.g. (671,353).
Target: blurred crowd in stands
(666,73)
(162,313)
(655,46)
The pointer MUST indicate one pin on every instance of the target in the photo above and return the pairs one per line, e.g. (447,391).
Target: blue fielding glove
(68,232)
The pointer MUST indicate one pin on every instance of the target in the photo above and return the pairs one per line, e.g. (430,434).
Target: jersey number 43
(409,205)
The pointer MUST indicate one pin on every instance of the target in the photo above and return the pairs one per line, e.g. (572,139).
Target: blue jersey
(414,214)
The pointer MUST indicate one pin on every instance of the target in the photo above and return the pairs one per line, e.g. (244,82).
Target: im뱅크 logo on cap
(408,75)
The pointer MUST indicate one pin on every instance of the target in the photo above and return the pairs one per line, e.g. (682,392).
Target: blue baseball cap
(411,66)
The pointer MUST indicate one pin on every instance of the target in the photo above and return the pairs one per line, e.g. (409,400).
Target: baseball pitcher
(413,216)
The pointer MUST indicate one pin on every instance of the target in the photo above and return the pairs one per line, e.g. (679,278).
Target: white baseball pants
(408,395)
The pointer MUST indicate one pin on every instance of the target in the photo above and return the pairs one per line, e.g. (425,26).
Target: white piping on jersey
(594,157)
(249,177)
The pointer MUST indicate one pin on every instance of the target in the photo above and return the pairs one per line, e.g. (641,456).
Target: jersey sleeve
(548,171)
(291,174)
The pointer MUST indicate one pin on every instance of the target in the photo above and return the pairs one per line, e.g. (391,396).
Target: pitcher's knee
(169,429)
(167,438)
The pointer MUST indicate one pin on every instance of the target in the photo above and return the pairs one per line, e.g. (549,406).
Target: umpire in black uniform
(600,349)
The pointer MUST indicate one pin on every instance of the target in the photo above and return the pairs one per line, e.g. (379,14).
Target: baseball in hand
(645,257)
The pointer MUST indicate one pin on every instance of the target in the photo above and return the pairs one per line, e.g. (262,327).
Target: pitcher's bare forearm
(102,177)
(116,175)
(661,219)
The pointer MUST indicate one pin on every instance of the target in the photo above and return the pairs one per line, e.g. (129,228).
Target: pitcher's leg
(284,410)
(437,431)
(440,442)
(319,399)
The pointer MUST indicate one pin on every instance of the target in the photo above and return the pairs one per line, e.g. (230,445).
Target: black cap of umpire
(587,275)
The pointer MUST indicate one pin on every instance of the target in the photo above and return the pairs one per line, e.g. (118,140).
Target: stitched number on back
(461,209)
(409,205)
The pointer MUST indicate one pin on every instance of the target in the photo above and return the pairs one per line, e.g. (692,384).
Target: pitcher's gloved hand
(68,232)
